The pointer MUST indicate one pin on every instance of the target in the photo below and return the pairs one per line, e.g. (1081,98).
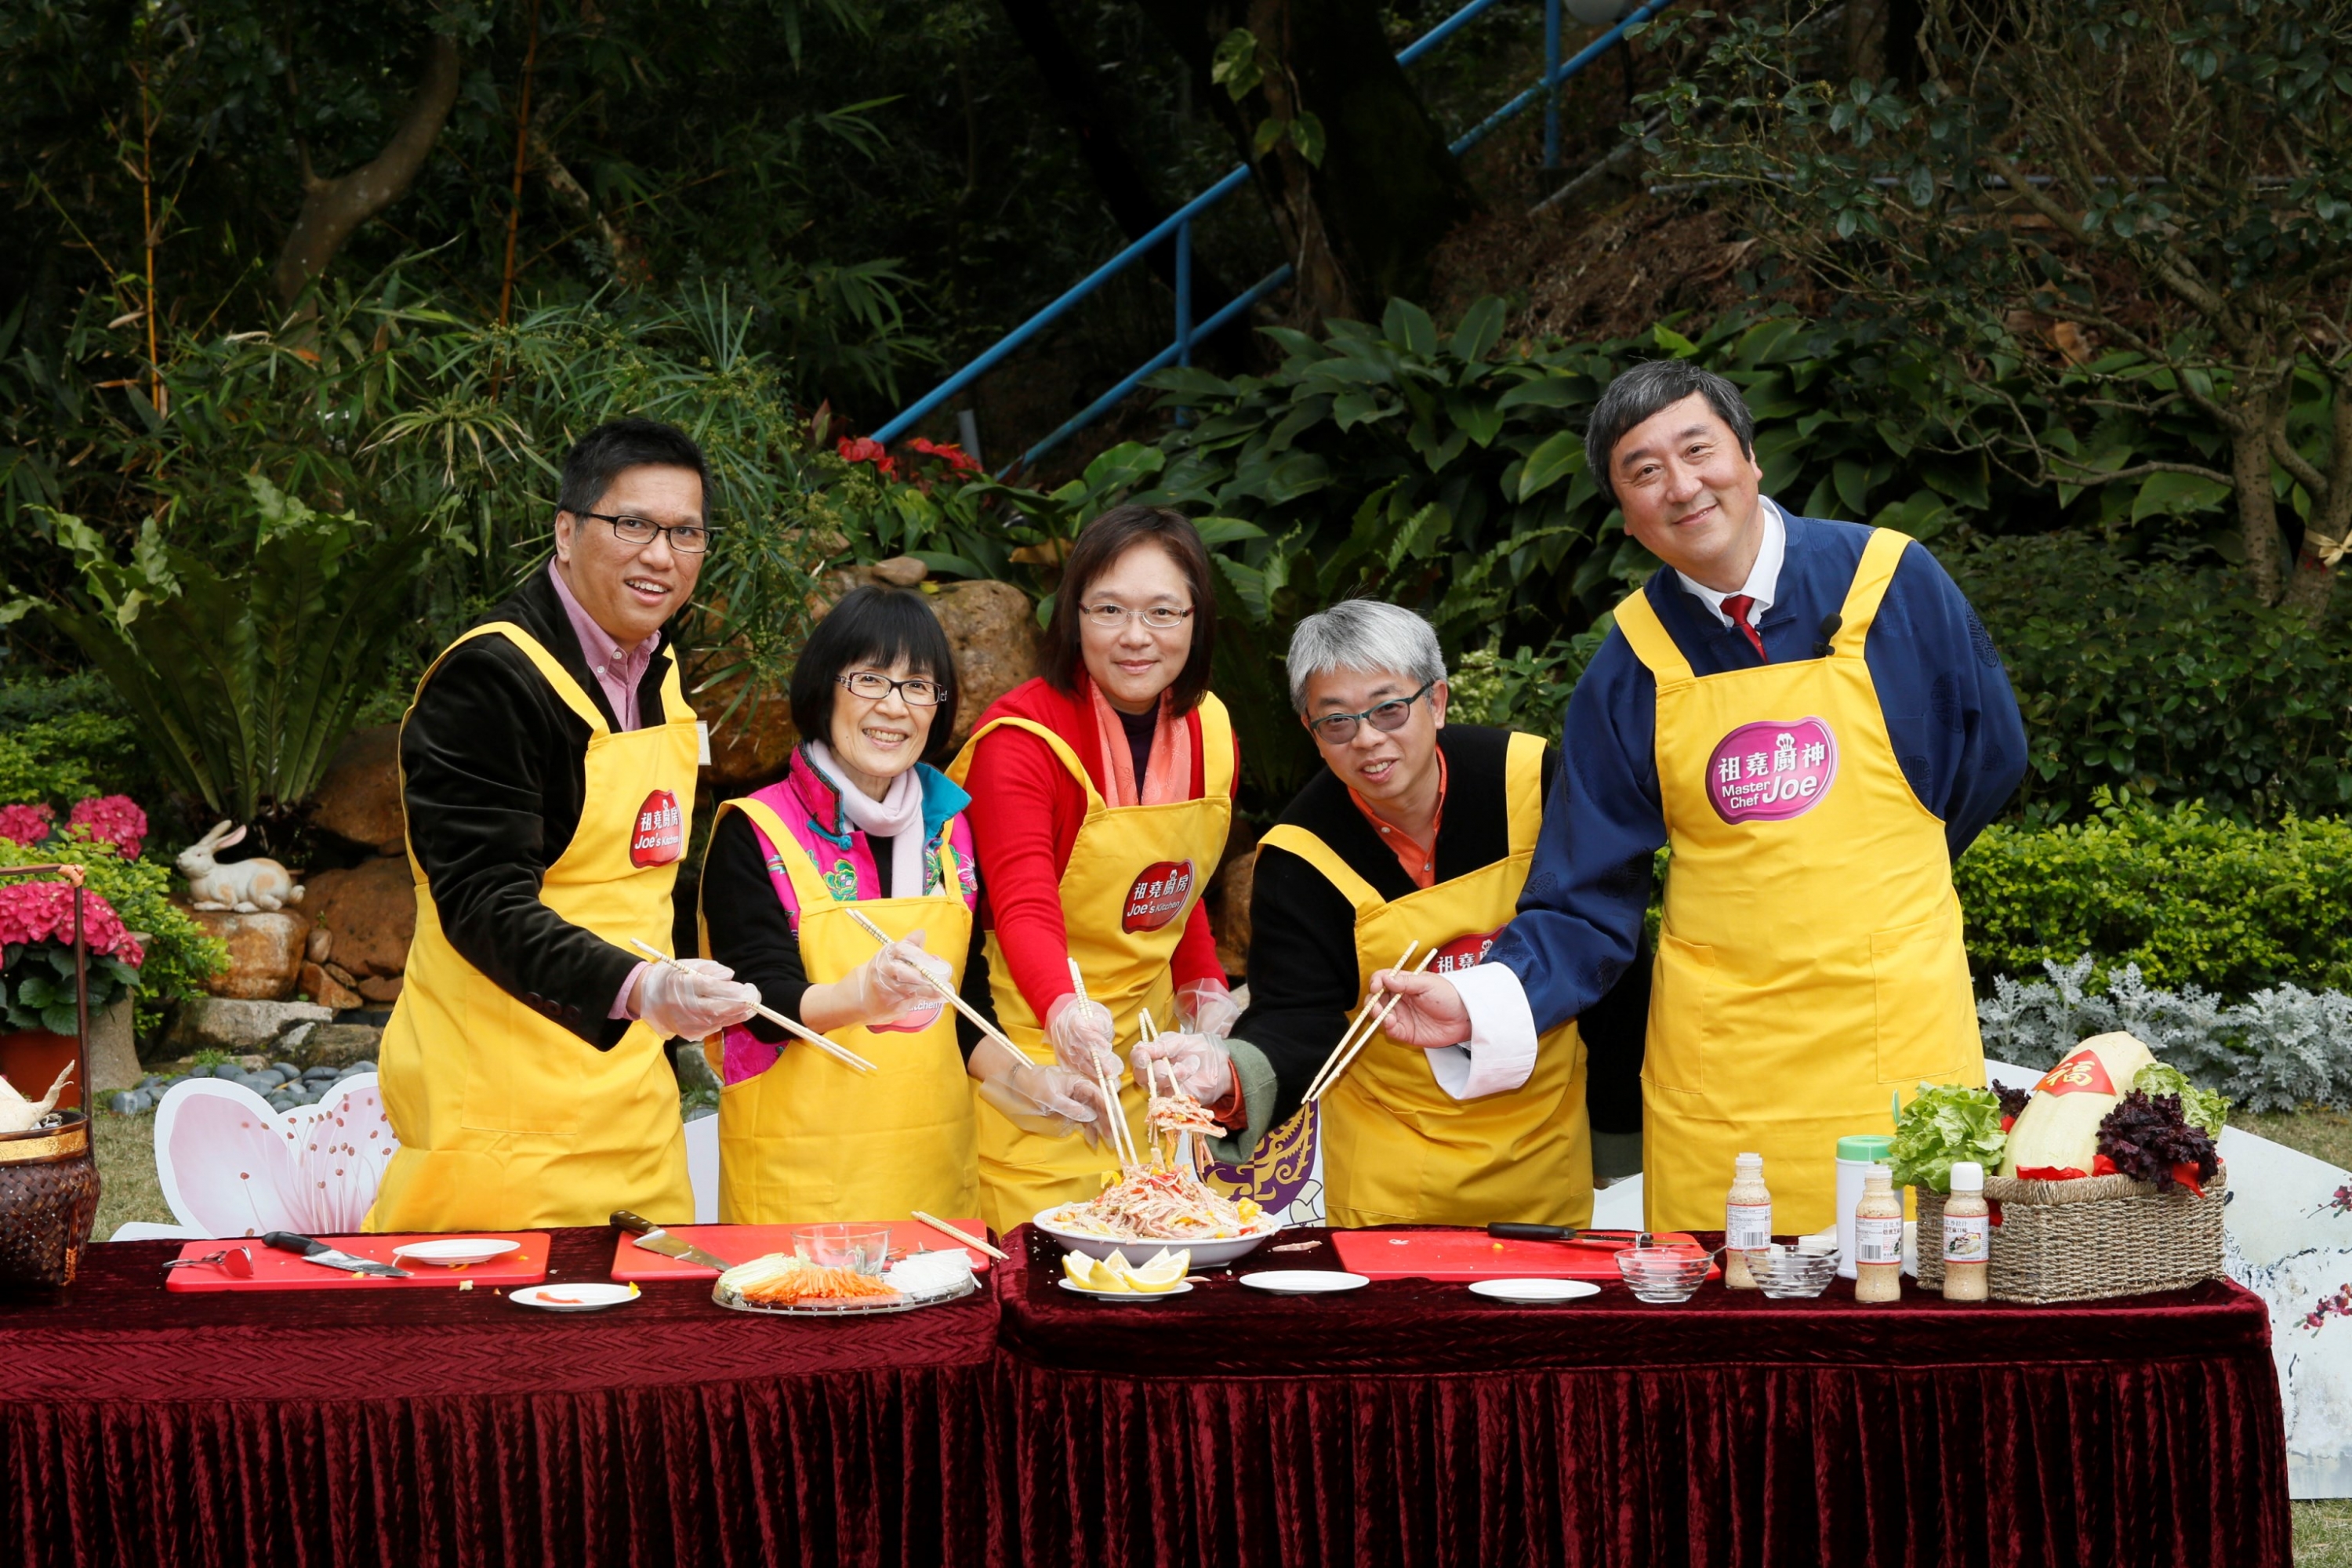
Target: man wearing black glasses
(1418,833)
(548,770)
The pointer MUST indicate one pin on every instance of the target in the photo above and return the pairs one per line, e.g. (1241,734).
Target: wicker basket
(48,1199)
(2086,1239)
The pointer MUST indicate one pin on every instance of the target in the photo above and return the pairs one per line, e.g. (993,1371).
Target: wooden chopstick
(840,1053)
(1365,1039)
(945,990)
(1122,1143)
(1347,1035)
(944,1228)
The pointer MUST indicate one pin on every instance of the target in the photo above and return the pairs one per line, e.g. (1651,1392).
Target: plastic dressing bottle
(1967,1235)
(1746,1220)
(1878,1239)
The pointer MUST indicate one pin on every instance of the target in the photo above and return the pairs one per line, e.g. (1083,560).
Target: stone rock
(371,911)
(328,991)
(751,746)
(265,953)
(114,1051)
(238,1025)
(1230,920)
(382,988)
(322,944)
(993,628)
(359,799)
(342,1048)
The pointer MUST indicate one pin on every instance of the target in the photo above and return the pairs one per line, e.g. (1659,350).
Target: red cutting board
(742,1242)
(275,1270)
(1473,1255)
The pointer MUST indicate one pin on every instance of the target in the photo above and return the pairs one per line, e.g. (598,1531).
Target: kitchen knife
(654,1238)
(325,1256)
(1611,1240)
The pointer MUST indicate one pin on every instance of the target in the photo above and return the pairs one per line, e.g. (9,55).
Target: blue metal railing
(1176,226)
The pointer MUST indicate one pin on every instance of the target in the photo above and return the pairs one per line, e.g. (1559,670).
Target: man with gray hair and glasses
(1810,715)
(1418,832)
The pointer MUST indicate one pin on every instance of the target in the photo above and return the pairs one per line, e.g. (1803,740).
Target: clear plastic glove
(894,982)
(1048,1097)
(1429,1011)
(1207,1008)
(1200,1066)
(693,998)
(1080,1032)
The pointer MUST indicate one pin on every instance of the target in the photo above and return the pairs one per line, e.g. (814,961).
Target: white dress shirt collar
(1762,578)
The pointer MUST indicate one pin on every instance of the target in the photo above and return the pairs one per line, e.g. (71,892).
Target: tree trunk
(1077,90)
(1363,226)
(333,209)
(2250,473)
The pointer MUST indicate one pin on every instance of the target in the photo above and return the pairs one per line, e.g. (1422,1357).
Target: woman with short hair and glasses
(1421,832)
(1101,793)
(860,825)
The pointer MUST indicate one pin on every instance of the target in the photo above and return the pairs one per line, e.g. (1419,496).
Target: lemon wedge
(1162,1274)
(1112,1273)
(1079,1269)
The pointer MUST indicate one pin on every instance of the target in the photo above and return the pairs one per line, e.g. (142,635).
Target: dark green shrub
(2162,682)
(2190,898)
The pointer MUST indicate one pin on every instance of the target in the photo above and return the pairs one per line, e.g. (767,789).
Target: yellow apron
(1134,875)
(1810,962)
(1396,1147)
(813,1140)
(507,1120)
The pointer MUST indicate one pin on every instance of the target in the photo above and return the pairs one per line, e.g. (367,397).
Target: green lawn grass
(127,1187)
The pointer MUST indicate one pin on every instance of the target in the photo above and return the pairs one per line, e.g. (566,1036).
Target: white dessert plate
(591,1297)
(450,1251)
(1304,1281)
(1534,1292)
(1178,1288)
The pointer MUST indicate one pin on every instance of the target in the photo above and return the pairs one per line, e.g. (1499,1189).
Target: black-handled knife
(325,1257)
(654,1238)
(1615,1240)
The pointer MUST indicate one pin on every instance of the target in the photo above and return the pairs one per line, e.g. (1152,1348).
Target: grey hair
(1648,389)
(1367,636)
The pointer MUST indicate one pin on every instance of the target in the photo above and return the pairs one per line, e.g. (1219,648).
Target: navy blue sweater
(1949,709)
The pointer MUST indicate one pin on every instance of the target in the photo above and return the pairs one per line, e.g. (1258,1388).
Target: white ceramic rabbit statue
(247,887)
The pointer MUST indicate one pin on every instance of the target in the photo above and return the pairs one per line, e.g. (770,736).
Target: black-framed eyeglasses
(874,686)
(687,538)
(1158,618)
(1339,729)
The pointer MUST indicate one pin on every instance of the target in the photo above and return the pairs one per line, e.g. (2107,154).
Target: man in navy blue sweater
(1811,714)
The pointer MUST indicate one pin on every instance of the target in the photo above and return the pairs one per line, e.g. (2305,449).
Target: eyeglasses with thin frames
(687,538)
(1339,729)
(1158,618)
(874,686)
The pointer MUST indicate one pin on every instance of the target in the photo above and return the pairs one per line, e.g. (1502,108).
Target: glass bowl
(1664,1274)
(864,1248)
(1786,1273)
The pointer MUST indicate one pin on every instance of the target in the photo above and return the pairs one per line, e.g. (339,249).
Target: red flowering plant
(26,825)
(927,462)
(37,957)
(113,820)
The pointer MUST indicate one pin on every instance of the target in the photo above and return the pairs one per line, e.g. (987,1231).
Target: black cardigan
(1302,956)
(495,769)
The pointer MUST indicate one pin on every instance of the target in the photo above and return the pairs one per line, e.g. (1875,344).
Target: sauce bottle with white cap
(1878,1239)
(1967,1235)
(1746,1220)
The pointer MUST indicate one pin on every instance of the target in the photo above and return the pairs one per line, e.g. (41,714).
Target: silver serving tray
(971,1287)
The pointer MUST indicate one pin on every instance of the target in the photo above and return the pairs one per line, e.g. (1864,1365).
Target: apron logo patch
(2082,1073)
(1158,896)
(1771,769)
(1464,952)
(659,835)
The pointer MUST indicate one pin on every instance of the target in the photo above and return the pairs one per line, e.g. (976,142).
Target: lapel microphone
(1829,625)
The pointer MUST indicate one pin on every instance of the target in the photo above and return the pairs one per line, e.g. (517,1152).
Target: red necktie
(1736,606)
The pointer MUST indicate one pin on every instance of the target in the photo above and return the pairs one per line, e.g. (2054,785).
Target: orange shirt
(1419,860)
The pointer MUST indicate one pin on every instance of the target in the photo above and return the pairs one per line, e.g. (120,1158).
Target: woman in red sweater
(1101,796)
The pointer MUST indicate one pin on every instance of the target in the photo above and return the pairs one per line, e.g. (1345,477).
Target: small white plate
(1534,1292)
(450,1251)
(587,1297)
(1130,1297)
(1304,1281)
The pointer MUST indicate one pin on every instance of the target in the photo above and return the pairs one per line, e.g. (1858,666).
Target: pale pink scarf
(1167,776)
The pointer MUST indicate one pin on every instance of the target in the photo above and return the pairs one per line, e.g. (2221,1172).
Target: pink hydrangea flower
(113,820)
(26,823)
(43,912)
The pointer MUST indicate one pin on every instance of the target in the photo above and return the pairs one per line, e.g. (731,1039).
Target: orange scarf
(1167,776)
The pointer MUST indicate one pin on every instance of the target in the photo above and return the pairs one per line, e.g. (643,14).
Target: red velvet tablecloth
(410,1427)
(1412,1423)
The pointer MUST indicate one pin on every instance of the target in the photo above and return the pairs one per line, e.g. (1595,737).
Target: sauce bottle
(1746,1220)
(1968,1246)
(1878,1239)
